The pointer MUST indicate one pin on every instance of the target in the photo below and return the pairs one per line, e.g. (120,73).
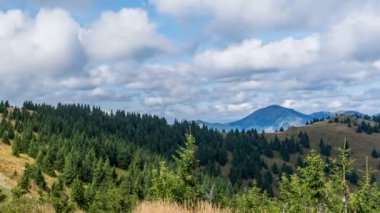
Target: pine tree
(5,138)
(87,166)
(300,162)
(187,167)
(99,174)
(308,191)
(341,170)
(39,178)
(374,153)
(253,200)
(70,169)
(314,180)
(59,198)
(166,184)
(77,192)
(180,185)
(367,199)
(353,177)
(275,169)
(16,147)
(25,179)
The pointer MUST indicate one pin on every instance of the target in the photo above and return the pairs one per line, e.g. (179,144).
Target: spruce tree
(187,167)
(77,192)
(253,200)
(367,199)
(39,178)
(70,169)
(16,147)
(59,198)
(99,173)
(275,169)
(6,138)
(374,153)
(25,179)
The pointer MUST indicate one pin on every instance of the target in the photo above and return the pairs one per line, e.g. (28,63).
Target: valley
(228,160)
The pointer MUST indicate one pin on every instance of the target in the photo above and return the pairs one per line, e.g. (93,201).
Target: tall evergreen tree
(77,192)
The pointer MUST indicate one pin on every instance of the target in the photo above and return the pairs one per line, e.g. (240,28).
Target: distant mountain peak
(273,117)
(274,106)
(351,112)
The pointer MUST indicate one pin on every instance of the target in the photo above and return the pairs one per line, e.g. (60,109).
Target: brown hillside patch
(11,167)
(361,144)
(166,207)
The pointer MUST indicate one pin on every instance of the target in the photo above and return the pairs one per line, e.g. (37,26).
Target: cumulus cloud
(53,51)
(308,55)
(255,14)
(254,55)
(125,34)
(376,64)
(48,44)
(153,101)
(99,92)
(335,105)
(36,50)
(356,36)
(242,107)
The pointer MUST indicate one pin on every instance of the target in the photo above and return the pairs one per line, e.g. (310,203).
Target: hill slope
(332,133)
(137,142)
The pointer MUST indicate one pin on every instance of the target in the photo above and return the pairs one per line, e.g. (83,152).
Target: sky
(214,60)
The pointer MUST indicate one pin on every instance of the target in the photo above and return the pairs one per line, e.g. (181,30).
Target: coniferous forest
(111,161)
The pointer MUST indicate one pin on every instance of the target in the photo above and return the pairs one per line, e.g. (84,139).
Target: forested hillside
(82,158)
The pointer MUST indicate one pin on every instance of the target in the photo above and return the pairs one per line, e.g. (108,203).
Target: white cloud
(335,105)
(248,14)
(99,92)
(252,54)
(51,50)
(47,44)
(35,51)
(242,107)
(153,101)
(11,21)
(103,75)
(376,64)
(354,37)
(289,103)
(301,54)
(125,34)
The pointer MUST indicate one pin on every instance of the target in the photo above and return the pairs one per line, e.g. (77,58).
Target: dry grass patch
(361,144)
(25,204)
(167,207)
(11,167)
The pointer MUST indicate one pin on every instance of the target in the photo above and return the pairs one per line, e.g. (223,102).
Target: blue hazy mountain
(274,117)
(219,126)
(350,112)
(271,118)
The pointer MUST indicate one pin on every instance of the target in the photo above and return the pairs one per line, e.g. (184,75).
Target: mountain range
(273,118)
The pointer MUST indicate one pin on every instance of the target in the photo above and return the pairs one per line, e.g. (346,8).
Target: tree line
(111,161)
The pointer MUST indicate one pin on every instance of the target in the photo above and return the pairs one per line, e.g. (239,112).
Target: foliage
(253,200)
(179,185)
(109,162)
(24,204)
(367,199)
